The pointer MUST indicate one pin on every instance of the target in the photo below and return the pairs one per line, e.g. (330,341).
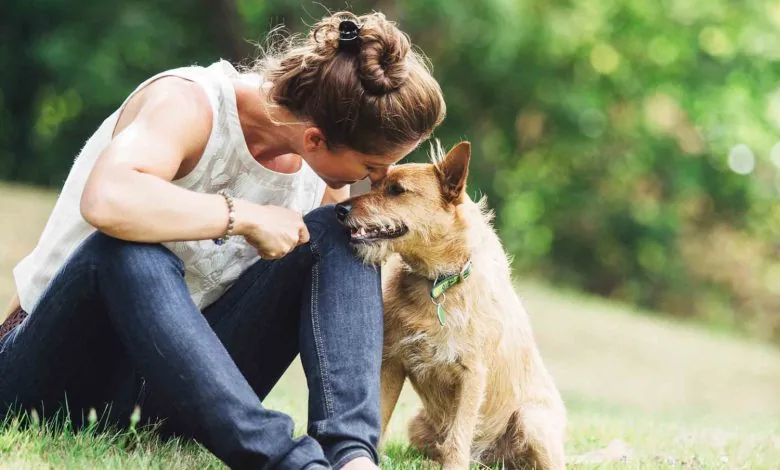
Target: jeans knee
(109,253)
(324,227)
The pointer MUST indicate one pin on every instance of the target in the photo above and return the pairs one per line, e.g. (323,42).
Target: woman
(177,271)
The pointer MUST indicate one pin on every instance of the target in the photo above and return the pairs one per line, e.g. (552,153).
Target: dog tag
(441,313)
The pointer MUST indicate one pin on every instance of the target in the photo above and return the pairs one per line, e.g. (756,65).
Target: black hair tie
(349,32)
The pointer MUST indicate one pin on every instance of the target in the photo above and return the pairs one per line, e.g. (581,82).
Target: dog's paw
(452,458)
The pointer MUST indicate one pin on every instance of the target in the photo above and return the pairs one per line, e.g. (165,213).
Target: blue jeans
(116,327)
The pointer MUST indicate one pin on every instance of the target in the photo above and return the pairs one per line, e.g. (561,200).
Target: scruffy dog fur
(487,396)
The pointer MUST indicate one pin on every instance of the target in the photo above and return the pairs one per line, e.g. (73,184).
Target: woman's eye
(395,189)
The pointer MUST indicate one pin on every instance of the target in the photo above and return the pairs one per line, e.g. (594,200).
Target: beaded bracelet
(231,218)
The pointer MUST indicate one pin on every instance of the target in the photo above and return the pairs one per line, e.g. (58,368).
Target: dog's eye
(395,189)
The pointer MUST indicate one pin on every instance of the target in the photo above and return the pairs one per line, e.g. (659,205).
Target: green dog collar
(442,284)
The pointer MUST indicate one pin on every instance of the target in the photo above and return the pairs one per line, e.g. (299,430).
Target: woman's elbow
(97,208)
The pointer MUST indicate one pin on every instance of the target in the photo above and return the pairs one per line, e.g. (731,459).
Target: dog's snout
(342,210)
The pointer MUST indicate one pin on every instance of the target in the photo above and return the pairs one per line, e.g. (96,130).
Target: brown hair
(373,98)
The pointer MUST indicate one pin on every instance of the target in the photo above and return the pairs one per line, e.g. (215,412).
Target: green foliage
(630,148)
(69,65)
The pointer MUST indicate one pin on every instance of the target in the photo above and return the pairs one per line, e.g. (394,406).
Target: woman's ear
(314,139)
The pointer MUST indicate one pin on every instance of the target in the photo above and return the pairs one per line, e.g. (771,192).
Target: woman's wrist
(242,223)
(231,222)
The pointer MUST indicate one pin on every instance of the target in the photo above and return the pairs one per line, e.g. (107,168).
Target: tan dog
(469,353)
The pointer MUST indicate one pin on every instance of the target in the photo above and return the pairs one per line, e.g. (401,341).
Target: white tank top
(226,163)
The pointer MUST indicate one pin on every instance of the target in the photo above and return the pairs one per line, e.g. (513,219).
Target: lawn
(664,394)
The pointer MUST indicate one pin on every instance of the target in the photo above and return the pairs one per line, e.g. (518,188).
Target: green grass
(58,447)
(672,392)
(655,442)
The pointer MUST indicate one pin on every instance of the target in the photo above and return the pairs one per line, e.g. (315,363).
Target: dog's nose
(342,210)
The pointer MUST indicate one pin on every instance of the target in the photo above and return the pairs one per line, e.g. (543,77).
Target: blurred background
(630,149)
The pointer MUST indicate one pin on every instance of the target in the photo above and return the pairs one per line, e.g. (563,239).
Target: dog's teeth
(362,232)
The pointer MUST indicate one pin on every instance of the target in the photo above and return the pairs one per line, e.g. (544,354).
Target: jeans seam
(321,358)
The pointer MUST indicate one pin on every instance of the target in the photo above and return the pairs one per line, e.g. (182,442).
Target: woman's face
(339,167)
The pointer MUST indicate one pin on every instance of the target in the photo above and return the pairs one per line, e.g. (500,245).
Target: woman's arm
(129,194)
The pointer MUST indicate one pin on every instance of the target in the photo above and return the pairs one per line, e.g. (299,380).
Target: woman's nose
(377,175)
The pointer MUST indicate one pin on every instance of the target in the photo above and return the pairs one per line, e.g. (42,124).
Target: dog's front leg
(456,448)
(391,382)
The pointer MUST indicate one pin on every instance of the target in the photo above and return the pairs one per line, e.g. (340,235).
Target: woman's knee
(323,226)
(331,242)
(111,254)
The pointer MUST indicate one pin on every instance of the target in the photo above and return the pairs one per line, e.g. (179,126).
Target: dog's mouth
(377,233)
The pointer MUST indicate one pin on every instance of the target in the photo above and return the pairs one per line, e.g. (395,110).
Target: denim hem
(315,466)
(303,458)
(352,455)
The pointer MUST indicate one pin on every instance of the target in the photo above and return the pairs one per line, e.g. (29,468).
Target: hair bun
(382,57)
(358,79)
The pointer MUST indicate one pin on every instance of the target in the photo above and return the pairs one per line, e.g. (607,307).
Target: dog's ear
(454,171)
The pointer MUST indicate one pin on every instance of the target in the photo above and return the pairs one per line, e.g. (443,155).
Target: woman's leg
(341,343)
(67,357)
(319,299)
(123,304)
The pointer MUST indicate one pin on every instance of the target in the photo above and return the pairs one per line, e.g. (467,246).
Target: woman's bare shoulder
(172,106)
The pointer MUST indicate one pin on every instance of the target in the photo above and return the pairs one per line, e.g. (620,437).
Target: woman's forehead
(391,157)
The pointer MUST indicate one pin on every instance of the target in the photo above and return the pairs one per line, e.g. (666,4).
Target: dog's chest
(430,355)
(415,335)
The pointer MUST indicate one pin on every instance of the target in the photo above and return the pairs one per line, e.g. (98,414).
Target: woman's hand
(273,231)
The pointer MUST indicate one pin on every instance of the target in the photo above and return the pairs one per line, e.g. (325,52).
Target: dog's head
(413,211)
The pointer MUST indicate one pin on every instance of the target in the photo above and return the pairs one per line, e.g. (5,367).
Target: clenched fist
(273,231)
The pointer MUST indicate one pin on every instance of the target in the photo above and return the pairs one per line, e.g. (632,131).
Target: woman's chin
(335,184)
